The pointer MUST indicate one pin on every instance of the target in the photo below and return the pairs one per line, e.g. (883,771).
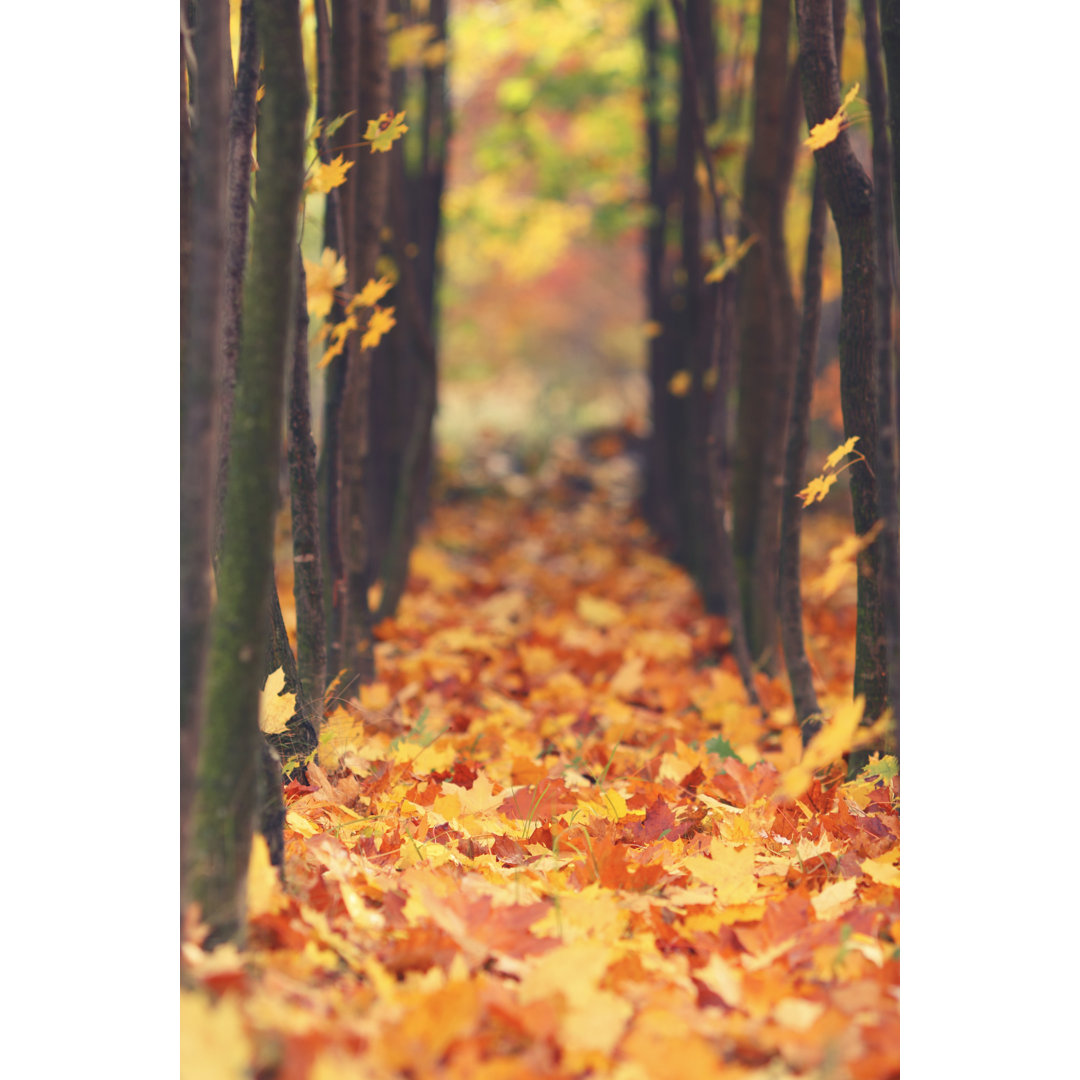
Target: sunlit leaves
(323,278)
(380,324)
(384,131)
(326,177)
(275,707)
(827,131)
(819,486)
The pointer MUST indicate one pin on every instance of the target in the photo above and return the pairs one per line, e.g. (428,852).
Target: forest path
(552,840)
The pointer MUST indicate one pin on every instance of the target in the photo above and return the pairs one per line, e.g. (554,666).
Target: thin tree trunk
(229,753)
(307,554)
(200,365)
(890,42)
(850,196)
(369,208)
(766,335)
(887,385)
(238,207)
(798,439)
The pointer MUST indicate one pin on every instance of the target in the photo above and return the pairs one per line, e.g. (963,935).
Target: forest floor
(554,840)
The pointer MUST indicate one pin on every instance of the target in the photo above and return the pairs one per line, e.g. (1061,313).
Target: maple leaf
(276,708)
(380,323)
(385,130)
(323,278)
(339,332)
(326,177)
(370,294)
(817,489)
(842,450)
(827,131)
(679,383)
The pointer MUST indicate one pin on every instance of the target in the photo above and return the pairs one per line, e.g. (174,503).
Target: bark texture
(766,334)
(200,365)
(229,752)
(850,197)
(890,43)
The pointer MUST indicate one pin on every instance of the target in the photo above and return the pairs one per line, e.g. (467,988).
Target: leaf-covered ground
(554,840)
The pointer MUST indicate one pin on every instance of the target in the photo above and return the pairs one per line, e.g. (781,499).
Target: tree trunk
(369,209)
(307,555)
(888,478)
(850,196)
(766,335)
(238,210)
(229,753)
(890,42)
(200,364)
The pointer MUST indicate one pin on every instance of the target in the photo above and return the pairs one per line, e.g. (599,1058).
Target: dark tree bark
(790,606)
(890,42)
(200,365)
(238,206)
(850,197)
(887,383)
(369,211)
(798,440)
(307,554)
(343,93)
(766,334)
(229,752)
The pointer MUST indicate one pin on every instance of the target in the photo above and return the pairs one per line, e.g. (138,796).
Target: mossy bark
(850,196)
(202,274)
(229,752)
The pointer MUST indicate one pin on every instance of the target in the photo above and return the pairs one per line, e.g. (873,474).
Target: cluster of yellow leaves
(827,131)
(323,279)
(819,487)
(523,855)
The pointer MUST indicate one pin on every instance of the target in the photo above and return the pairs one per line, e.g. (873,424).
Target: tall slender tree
(850,196)
(200,367)
(228,758)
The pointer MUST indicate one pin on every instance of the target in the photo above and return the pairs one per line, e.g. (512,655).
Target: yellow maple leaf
(833,741)
(323,278)
(679,383)
(842,450)
(826,132)
(371,293)
(326,177)
(275,708)
(385,130)
(817,489)
(380,323)
(338,333)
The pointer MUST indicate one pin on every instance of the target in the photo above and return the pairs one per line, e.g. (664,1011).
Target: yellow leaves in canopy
(385,130)
(326,177)
(275,711)
(380,323)
(323,278)
(679,383)
(827,131)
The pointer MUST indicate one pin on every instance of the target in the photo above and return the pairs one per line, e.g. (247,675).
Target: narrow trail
(553,840)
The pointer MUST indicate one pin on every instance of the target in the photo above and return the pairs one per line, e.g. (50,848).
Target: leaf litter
(555,840)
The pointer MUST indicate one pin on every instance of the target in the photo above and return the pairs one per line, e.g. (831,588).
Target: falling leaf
(276,709)
(323,278)
(827,131)
(214,1042)
(380,323)
(679,383)
(383,132)
(326,177)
